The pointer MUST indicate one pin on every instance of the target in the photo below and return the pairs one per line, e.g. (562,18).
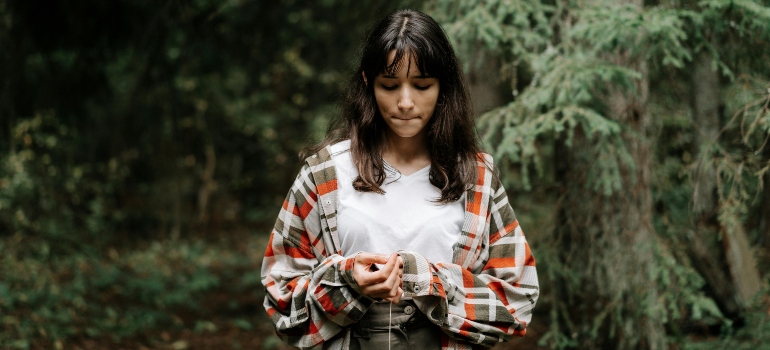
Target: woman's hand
(382,283)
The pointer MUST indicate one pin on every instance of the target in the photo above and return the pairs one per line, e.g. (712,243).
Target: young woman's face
(407,99)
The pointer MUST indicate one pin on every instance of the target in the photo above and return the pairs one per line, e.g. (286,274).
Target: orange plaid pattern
(486,296)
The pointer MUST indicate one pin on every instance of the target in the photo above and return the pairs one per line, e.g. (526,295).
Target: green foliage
(565,72)
(44,192)
(122,294)
(685,298)
(139,122)
(512,28)
(654,33)
(741,168)
(564,89)
(570,79)
(742,26)
(754,335)
(751,16)
(173,112)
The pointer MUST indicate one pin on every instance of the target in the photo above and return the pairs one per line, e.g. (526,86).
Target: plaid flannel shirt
(486,296)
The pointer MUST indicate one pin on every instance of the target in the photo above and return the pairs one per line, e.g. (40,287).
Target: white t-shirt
(405,217)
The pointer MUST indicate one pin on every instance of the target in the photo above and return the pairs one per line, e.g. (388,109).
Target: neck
(406,154)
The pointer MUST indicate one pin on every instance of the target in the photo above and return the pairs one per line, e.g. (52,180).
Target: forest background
(146,146)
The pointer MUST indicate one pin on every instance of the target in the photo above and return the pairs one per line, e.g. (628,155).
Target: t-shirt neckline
(396,175)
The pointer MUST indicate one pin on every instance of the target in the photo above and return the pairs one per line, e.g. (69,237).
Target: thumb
(371,258)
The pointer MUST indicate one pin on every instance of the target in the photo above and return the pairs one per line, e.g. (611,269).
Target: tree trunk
(706,252)
(740,259)
(11,66)
(608,240)
(631,228)
(764,210)
(484,86)
(729,267)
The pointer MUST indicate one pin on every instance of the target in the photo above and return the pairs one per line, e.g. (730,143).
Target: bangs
(404,53)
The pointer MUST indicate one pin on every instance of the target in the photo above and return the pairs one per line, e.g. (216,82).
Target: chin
(406,134)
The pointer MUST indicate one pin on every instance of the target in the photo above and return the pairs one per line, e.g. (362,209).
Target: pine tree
(646,237)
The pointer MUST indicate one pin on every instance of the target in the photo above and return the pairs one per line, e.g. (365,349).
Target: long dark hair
(451,136)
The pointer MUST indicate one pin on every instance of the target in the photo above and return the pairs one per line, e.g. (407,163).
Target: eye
(423,87)
(389,87)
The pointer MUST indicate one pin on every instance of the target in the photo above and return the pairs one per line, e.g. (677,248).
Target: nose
(405,101)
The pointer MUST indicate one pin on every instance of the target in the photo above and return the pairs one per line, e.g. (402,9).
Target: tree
(588,118)
(713,204)
(165,114)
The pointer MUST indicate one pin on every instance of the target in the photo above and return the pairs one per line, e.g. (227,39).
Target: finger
(385,289)
(397,273)
(391,262)
(397,298)
(369,278)
(371,258)
(379,294)
(392,281)
(379,276)
(389,288)
(364,276)
(396,284)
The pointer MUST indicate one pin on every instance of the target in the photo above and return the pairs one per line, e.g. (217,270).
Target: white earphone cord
(390,320)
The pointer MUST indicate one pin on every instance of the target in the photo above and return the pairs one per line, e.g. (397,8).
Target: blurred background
(146,146)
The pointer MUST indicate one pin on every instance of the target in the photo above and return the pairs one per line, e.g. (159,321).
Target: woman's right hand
(383,283)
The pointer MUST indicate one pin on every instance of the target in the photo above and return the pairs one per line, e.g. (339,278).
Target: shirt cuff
(416,280)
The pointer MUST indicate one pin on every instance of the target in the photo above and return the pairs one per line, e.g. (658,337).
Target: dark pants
(409,328)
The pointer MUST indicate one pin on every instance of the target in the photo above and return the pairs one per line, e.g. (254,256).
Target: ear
(364,76)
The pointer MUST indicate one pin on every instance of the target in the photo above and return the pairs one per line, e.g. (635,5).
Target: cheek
(382,102)
(430,101)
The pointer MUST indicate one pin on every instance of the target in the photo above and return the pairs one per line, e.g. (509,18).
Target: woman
(397,233)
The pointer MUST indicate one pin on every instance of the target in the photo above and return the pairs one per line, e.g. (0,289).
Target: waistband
(382,316)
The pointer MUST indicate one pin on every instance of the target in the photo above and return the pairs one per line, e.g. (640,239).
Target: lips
(405,118)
